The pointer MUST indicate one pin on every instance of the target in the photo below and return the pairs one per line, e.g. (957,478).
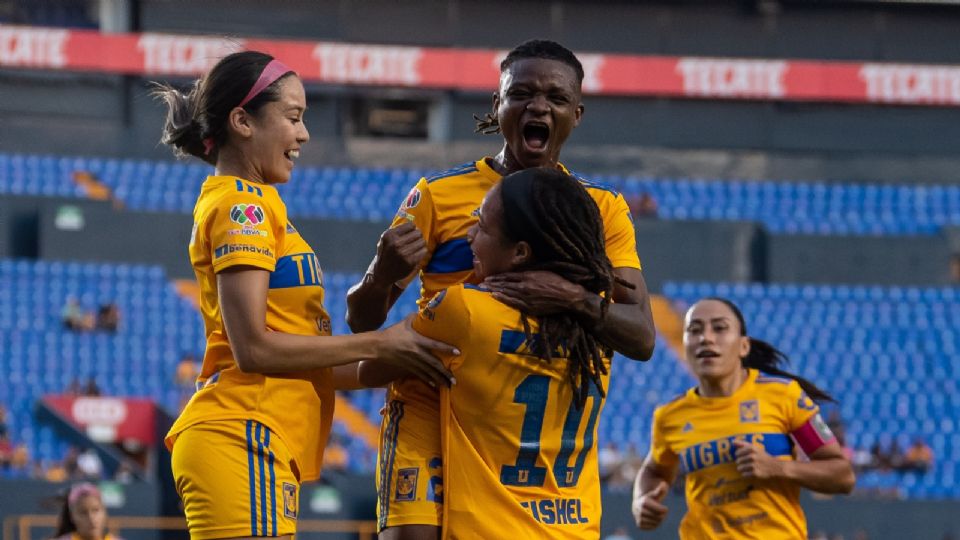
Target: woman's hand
(754,462)
(402,347)
(648,511)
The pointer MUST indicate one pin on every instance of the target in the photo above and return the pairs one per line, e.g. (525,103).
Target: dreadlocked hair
(553,213)
(766,358)
(533,48)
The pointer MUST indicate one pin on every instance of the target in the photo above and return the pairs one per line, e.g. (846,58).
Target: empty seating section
(374,194)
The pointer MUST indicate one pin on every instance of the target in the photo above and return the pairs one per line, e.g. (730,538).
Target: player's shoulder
(672,405)
(594,187)
(447,177)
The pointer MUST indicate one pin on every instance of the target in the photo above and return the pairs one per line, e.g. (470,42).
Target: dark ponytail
(768,359)
(196,123)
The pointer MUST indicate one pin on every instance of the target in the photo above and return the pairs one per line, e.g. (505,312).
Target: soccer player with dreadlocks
(536,107)
(518,428)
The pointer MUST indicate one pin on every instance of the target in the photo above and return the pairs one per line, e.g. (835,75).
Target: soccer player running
(258,423)
(736,435)
(536,107)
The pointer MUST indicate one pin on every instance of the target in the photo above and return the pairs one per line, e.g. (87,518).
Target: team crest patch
(750,411)
(289,500)
(407,484)
(248,215)
(413,199)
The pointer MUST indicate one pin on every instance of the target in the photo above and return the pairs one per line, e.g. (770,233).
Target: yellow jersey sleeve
(446,318)
(417,207)
(660,451)
(244,229)
(619,234)
(799,408)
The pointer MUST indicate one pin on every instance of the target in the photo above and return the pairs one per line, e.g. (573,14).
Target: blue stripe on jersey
(511,341)
(273,485)
(263,483)
(249,189)
(590,184)
(720,451)
(296,270)
(762,379)
(473,287)
(251,474)
(451,256)
(455,171)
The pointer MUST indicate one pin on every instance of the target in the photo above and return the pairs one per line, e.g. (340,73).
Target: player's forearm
(833,475)
(277,352)
(648,478)
(627,328)
(368,303)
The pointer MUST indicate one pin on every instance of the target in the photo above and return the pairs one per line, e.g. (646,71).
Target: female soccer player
(518,428)
(737,435)
(83,516)
(535,109)
(257,426)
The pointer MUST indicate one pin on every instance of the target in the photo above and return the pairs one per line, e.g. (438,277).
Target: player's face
(89,516)
(537,106)
(493,252)
(712,340)
(278,132)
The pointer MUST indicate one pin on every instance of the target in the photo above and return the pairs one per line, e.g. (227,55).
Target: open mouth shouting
(536,136)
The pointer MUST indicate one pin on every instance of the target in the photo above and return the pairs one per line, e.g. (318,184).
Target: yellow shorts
(235,478)
(409,466)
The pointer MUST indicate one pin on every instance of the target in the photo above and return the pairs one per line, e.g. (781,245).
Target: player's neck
(234,163)
(725,387)
(505,163)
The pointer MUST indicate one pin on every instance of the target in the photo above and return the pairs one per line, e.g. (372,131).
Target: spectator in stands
(919,457)
(6,452)
(74,317)
(3,421)
(270,366)
(56,472)
(91,388)
(124,474)
(336,456)
(83,515)
(644,206)
(734,433)
(70,463)
(108,317)
(609,461)
(619,534)
(187,371)
(955,268)
(74,388)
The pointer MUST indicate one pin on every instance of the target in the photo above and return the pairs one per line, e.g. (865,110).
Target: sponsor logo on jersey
(247,231)
(227,249)
(291,229)
(749,411)
(289,500)
(248,215)
(688,427)
(407,484)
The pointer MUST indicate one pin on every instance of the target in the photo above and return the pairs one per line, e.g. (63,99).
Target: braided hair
(766,358)
(553,213)
(533,48)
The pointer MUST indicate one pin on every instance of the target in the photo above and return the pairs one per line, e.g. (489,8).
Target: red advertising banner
(107,419)
(164,55)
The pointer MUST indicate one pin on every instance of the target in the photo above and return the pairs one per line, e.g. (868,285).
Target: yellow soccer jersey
(520,460)
(443,207)
(697,434)
(244,223)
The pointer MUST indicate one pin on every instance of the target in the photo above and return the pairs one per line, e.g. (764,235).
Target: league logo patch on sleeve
(248,215)
(407,484)
(413,199)
(749,411)
(823,430)
(290,500)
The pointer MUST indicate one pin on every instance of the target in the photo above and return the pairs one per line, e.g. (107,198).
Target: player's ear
(522,254)
(578,115)
(239,122)
(496,102)
(744,346)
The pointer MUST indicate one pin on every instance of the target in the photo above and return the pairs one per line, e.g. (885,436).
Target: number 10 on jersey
(533,392)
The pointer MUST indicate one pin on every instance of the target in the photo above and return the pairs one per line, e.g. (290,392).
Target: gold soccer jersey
(237,222)
(443,207)
(697,434)
(522,457)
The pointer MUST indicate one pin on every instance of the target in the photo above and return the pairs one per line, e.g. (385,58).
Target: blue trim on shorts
(273,485)
(390,449)
(251,474)
(263,484)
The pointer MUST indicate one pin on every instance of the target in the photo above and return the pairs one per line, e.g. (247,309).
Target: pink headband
(82,490)
(273,71)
